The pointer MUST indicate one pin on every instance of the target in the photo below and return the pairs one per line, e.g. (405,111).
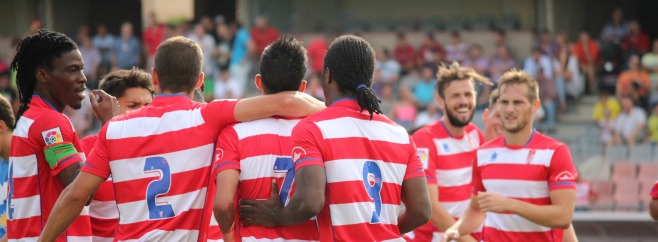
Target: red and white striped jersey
(526,173)
(260,150)
(366,162)
(160,158)
(448,163)
(33,183)
(103,211)
(654,191)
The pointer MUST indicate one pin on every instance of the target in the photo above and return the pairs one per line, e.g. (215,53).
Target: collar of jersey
(346,101)
(534,131)
(172,95)
(43,101)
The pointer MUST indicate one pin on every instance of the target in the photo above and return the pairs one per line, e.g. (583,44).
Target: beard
(513,130)
(455,121)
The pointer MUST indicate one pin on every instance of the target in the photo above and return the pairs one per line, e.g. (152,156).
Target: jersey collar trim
(44,101)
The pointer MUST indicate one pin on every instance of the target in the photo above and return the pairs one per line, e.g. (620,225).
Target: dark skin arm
(418,208)
(69,173)
(308,200)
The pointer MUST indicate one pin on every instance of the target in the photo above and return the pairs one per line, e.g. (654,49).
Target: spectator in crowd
(317,49)
(480,64)
(153,35)
(430,51)
(635,83)
(650,63)
(411,79)
(314,87)
(104,41)
(126,50)
(207,44)
(629,124)
(387,99)
(92,57)
(456,50)
(615,30)
(501,63)
(587,52)
(567,69)
(240,65)
(606,103)
(585,194)
(540,67)
(404,109)
(6,90)
(389,67)
(225,42)
(546,44)
(652,125)
(429,116)
(404,53)
(424,90)
(227,87)
(607,125)
(636,42)
(209,27)
(500,40)
(263,34)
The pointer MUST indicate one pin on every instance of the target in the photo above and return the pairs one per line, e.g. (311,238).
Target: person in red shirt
(263,34)
(153,35)
(404,53)
(317,48)
(587,52)
(431,51)
(354,167)
(636,42)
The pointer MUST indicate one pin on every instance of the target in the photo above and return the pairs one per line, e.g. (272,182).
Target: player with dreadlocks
(353,167)
(45,154)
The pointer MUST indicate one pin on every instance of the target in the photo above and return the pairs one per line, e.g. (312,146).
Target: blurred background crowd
(598,79)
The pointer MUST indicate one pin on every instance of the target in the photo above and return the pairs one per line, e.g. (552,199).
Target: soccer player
(160,156)
(246,167)
(133,90)
(45,154)
(523,181)
(653,205)
(447,149)
(6,129)
(353,167)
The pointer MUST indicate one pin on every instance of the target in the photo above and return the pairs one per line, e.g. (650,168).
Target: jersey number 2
(372,180)
(161,186)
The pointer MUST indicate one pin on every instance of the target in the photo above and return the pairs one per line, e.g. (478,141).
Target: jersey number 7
(161,186)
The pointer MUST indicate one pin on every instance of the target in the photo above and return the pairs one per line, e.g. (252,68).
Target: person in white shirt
(629,124)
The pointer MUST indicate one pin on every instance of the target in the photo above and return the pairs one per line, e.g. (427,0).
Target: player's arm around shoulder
(227,169)
(288,104)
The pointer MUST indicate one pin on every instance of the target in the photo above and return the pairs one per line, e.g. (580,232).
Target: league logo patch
(423,154)
(52,136)
(565,176)
(297,153)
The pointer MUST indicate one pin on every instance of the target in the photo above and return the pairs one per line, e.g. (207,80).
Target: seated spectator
(588,55)
(388,99)
(410,79)
(404,53)
(540,67)
(317,49)
(501,41)
(500,64)
(226,87)
(650,63)
(480,64)
(607,125)
(652,125)
(606,103)
(429,116)
(456,50)
(636,42)
(430,52)
(615,30)
(424,90)
(404,109)
(390,67)
(546,44)
(634,82)
(629,124)
(314,87)
(569,71)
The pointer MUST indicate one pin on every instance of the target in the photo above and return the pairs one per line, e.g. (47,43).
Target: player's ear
(302,86)
(536,105)
(3,127)
(440,101)
(199,82)
(41,75)
(326,75)
(258,80)
(155,78)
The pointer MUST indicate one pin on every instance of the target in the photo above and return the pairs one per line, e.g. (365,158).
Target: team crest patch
(297,153)
(565,176)
(219,154)
(52,136)
(423,154)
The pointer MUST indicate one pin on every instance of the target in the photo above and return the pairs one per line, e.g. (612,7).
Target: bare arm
(224,207)
(308,200)
(417,205)
(69,173)
(69,204)
(440,216)
(469,221)
(569,235)
(289,104)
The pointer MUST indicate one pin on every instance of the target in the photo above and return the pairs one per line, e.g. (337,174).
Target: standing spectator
(209,27)
(650,63)
(389,67)
(153,35)
(540,67)
(635,83)
(92,57)
(615,30)
(240,65)
(456,50)
(207,44)
(587,52)
(636,42)
(263,34)
(126,50)
(104,41)
(629,124)
(317,49)
(604,104)
(546,44)
(500,64)
(431,51)
(424,90)
(404,53)
(652,125)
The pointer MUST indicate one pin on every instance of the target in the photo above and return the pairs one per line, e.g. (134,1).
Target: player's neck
(331,99)
(189,95)
(50,100)
(454,131)
(520,138)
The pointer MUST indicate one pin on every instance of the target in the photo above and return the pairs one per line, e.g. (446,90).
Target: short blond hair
(455,72)
(515,76)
